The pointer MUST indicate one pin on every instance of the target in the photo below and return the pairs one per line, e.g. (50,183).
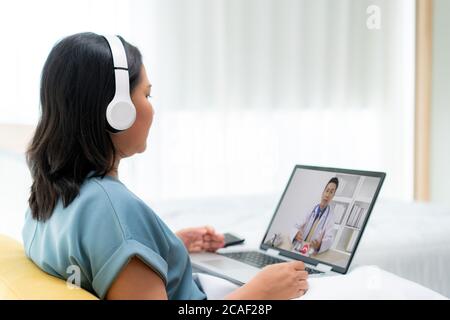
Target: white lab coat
(325,228)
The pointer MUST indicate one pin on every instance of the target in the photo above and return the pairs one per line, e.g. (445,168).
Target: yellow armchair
(21,279)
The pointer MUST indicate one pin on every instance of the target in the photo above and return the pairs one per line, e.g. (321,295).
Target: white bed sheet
(414,243)
(362,283)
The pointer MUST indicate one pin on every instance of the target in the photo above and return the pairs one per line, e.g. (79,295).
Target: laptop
(320,219)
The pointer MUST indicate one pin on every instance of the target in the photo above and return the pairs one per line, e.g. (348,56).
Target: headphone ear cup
(120,115)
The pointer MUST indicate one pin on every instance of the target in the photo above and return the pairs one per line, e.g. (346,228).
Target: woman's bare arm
(137,281)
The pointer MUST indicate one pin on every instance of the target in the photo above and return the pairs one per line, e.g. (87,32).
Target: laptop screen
(322,214)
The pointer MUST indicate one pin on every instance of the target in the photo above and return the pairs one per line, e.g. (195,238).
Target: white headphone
(121,112)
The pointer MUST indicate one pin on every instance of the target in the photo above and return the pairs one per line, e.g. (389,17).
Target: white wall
(440,121)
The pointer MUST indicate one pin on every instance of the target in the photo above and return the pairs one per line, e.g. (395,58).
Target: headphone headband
(121,112)
(118,52)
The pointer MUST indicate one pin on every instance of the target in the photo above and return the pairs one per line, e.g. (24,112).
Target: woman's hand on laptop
(279,281)
(201,239)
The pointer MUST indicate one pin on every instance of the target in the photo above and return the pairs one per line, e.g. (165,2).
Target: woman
(81,215)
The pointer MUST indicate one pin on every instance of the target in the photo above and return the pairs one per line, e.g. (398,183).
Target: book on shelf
(351,215)
(356,216)
(361,219)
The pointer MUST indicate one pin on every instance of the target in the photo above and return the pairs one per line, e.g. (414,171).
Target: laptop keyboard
(259,260)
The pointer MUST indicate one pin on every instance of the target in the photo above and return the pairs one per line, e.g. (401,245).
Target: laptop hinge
(272,252)
(323,267)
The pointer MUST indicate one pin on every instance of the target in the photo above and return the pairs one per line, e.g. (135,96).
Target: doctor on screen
(316,227)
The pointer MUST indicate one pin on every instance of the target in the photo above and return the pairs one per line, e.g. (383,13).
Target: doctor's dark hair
(333,180)
(72,138)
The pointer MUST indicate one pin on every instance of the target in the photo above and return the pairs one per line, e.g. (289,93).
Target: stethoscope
(322,222)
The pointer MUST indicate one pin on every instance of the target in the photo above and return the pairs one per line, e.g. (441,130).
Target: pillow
(21,279)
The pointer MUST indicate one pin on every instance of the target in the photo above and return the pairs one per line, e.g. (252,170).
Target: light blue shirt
(100,231)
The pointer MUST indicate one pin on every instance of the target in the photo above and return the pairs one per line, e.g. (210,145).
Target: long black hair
(72,138)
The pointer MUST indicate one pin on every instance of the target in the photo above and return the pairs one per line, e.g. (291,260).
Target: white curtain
(243,89)
(246,89)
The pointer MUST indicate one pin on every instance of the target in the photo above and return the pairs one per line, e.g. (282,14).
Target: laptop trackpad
(224,264)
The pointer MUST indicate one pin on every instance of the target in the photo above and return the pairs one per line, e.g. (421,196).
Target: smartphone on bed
(232,239)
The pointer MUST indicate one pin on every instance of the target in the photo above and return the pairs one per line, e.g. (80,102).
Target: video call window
(321,215)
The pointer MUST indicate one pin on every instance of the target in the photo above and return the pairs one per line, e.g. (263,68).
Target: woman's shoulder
(110,190)
(106,186)
(117,202)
